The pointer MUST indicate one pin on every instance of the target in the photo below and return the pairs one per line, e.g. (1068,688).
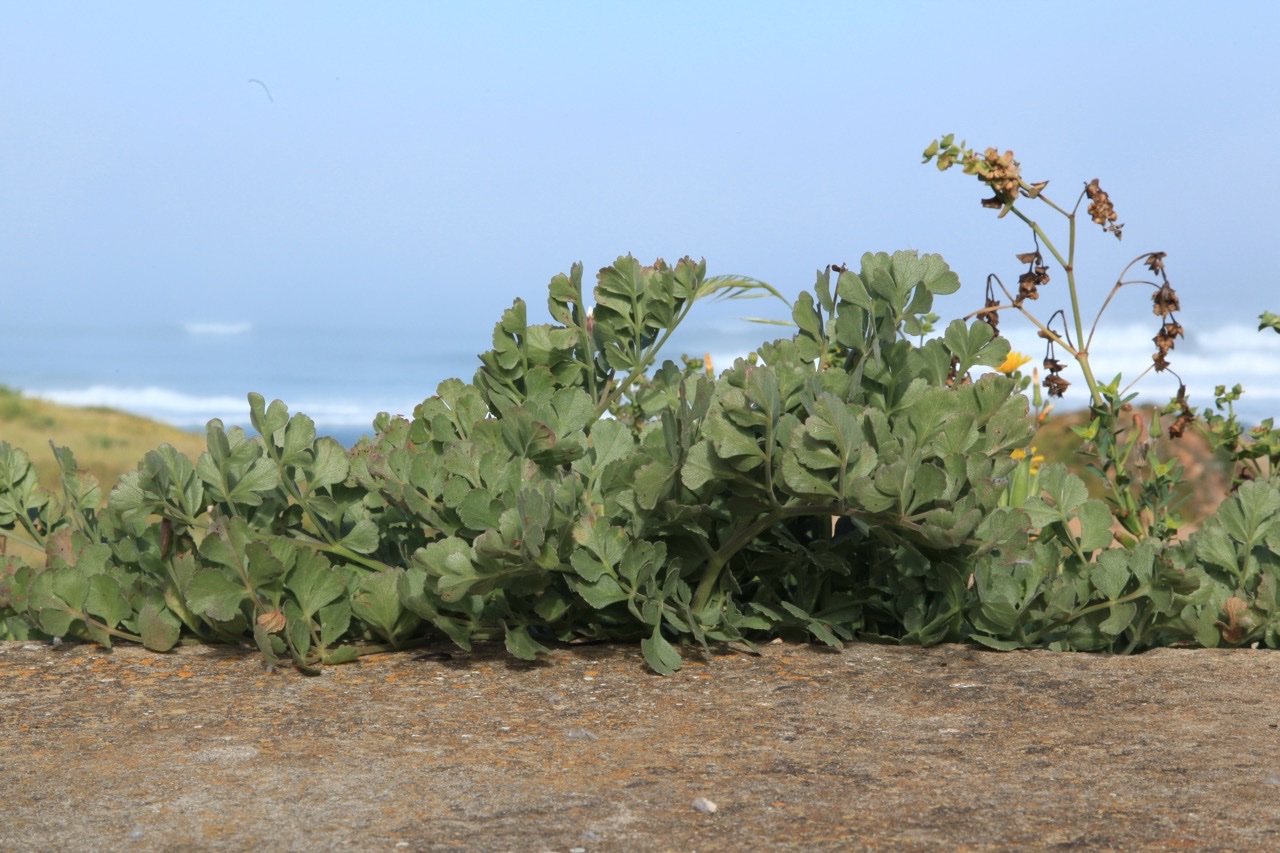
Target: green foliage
(847,481)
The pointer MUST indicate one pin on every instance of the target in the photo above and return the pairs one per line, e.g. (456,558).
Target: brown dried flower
(1170,330)
(1000,172)
(953,377)
(1056,385)
(272,621)
(1037,274)
(1239,623)
(1165,301)
(990,316)
(1185,417)
(1155,261)
(1101,210)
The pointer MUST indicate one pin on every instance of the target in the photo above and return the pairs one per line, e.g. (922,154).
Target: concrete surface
(874,748)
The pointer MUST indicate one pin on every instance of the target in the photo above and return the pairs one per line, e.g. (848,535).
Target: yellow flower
(1019,454)
(1013,362)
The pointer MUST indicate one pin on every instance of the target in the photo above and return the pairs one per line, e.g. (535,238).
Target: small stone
(704,805)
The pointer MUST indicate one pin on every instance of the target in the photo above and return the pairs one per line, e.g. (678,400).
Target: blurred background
(332,204)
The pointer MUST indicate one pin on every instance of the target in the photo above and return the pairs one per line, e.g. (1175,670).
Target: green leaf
(298,633)
(342,654)
(362,538)
(376,601)
(55,622)
(330,466)
(523,646)
(700,467)
(267,422)
(262,476)
(601,592)
(335,619)
(611,441)
(1111,574)
(1119,618)
(1215,547)
(106,601)
(1095,525)
(1247,515)
(226,543)
(660,654)
(479,510)
(214,595)
(606,542)
(1066,489)
(314,583)
(298,438)
(159,628)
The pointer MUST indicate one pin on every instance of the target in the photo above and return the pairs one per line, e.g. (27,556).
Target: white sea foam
(192,411)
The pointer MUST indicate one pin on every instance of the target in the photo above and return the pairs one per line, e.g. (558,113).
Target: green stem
(748,534)
(1081,352)
(1143,591)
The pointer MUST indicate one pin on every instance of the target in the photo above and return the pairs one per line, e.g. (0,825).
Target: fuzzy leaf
(376,601)
(159,628)
(216,596)
(1119,617)
(1095,525)
(1111,573)
(523,646)
(660,654)
(106,601)
(362,538)
(314,583)
(330,466)
(601,592)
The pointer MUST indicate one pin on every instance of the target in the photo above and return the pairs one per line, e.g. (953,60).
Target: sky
(364,167)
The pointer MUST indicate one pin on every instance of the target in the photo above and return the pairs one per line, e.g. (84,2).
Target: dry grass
(105,441)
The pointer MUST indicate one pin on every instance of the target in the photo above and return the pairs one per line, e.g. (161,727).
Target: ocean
(187,373)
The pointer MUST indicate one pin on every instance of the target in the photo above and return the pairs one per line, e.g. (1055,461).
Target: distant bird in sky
(264,88)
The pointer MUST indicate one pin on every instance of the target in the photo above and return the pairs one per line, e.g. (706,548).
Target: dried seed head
(1101,210)
(1000,172)
(1185,416)
(991,317)
(1037,274)
(1056,385)
(1155,261)
(1164,301)
(1166,337)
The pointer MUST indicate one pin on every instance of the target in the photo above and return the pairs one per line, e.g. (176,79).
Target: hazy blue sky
(435,160)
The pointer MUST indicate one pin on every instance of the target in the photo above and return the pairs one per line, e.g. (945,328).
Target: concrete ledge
(877,747)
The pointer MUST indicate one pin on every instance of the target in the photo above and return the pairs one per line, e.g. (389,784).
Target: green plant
(851,480)
(1072,587)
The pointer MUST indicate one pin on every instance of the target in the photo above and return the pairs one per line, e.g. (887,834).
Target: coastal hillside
(105,441)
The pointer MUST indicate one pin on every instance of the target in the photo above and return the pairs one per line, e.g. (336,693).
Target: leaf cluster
(845,481)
